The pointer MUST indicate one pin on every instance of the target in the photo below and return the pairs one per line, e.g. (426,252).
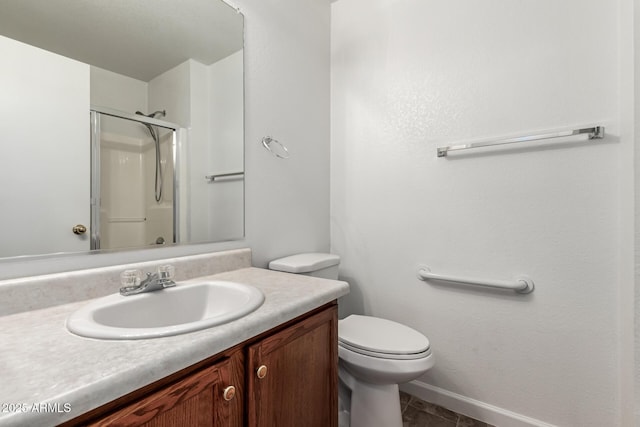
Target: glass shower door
(132,181)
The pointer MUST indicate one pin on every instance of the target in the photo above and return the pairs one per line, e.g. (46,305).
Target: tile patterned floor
(418,413)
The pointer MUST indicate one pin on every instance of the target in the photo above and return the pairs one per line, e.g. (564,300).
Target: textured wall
(409,76)
(287,96)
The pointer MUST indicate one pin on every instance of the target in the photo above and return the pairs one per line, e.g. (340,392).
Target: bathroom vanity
(277,364)
(283,376)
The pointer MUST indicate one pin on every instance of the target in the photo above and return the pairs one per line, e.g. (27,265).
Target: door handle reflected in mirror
(79,229)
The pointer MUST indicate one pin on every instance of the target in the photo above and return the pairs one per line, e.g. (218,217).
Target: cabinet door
(293,375)
(203,399)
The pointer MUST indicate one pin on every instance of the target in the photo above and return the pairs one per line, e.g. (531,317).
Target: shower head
(153,115)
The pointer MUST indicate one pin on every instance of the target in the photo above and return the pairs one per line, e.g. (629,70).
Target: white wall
(44,127)
(630,240)
(226,196)
(227,111)
(411,75)
(113,90)
(197,151)
(286,96)
(208,101)
(633,111)
(170,92)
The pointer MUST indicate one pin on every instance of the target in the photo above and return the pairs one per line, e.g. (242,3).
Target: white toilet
(375,354)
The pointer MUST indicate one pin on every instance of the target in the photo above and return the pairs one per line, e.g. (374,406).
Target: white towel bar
(521,285)
(214,178)
(126,219)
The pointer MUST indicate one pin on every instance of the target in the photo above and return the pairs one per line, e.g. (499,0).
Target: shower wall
(122,184)
(159,215)
(129,214)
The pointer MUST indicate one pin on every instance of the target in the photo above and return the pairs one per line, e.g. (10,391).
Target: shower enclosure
(134,191)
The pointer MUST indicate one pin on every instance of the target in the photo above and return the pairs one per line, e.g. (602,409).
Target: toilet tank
(310,264)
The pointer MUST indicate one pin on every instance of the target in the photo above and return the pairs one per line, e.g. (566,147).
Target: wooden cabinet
(292,375)
(203,399)
(297,385)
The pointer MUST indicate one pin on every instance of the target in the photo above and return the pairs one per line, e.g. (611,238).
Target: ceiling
(137,38)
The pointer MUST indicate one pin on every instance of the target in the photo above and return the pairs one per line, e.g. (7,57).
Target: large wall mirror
(122,124)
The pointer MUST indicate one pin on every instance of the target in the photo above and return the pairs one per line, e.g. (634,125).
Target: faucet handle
(166,271)
(130,278)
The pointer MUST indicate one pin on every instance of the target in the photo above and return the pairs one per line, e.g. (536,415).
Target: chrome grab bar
(521,285)
(596,132)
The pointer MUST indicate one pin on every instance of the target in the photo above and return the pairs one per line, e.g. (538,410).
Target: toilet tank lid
(304,263)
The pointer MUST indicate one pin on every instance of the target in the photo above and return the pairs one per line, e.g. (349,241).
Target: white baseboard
(470,407)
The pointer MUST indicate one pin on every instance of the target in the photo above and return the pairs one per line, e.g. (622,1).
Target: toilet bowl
(375,355)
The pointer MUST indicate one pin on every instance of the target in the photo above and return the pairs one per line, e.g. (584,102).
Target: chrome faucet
(153,282)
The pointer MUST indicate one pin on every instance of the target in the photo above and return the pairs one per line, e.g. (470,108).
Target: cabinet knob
(261,371)
(229,393)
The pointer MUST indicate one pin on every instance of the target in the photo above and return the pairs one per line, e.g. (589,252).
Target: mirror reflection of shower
(133,179)
(156,140)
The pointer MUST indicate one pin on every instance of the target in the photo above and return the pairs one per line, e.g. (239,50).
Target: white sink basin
(171,311)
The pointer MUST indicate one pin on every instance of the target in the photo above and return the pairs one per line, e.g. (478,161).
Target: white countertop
(48,375)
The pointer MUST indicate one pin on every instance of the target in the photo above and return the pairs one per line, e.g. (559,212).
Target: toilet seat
(382,338)
(380,355)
